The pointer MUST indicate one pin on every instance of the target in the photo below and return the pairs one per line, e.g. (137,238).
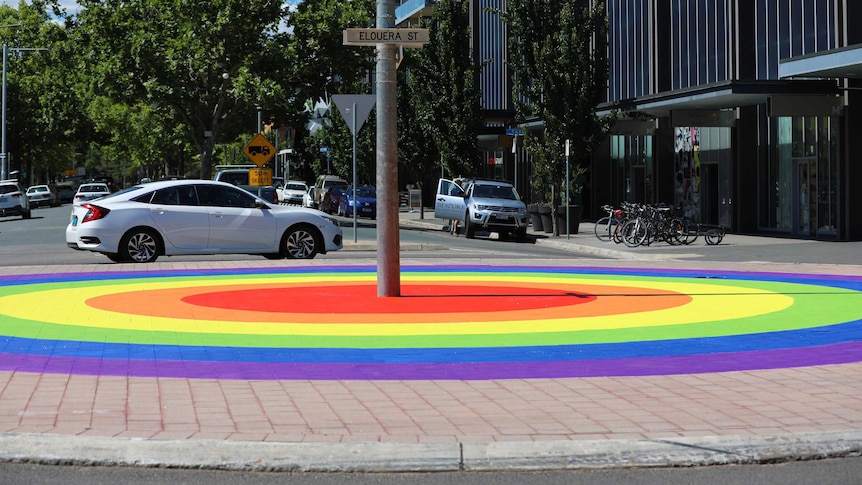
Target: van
(323,183)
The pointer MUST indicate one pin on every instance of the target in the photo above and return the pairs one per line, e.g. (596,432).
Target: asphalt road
(40,240)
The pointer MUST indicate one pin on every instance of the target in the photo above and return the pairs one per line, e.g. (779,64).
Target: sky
(72,7)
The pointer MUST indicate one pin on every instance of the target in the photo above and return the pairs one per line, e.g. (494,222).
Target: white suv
(13,201)
(484,205)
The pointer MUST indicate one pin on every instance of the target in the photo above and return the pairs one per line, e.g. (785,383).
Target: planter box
(575,212)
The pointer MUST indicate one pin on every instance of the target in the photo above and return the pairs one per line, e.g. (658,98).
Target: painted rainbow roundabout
(452,322)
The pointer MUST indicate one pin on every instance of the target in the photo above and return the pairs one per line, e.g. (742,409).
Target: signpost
(354,108)
(515,132)
(386,40)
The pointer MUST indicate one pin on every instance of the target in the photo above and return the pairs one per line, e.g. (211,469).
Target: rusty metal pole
(388,244)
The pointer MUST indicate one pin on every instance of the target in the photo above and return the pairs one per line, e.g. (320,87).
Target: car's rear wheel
(301,242)
(140,245)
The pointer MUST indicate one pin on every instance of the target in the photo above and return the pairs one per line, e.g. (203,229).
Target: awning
(845,62)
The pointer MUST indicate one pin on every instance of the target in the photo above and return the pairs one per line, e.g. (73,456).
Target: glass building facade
(744,113)
(737,112)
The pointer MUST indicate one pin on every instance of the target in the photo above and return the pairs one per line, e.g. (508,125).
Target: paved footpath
(651,359)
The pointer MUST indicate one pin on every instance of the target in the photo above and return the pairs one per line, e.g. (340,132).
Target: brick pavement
(756,404)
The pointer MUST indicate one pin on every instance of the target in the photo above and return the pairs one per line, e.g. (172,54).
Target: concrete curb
(428,457)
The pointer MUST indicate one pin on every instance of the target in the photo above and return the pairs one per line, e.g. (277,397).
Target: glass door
(805,197)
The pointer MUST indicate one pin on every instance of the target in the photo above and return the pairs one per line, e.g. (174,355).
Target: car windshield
(296,187)
(235,178)
(367,192)
(7,189)
(495,192)
(125,191)
(93,188)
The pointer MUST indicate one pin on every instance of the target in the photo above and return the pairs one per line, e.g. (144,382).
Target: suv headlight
(522,211)
(480,207)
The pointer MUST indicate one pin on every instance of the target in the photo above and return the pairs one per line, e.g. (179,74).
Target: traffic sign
(514,131)
(260,177)
(403,37)
(361,102)
(259,150)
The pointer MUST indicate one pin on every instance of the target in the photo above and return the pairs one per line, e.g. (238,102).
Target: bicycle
(608,225)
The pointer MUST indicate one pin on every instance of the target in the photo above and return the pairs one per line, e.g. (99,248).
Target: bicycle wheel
(617,231)
(713,237)
(603,229)
(634,233)
(678,231)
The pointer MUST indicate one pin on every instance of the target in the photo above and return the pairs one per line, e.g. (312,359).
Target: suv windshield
(495,192)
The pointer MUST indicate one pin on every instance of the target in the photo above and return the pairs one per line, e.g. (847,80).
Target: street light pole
(3,173)
(4,169)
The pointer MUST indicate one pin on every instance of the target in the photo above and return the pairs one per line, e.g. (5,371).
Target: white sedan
(90,191)
(177,217)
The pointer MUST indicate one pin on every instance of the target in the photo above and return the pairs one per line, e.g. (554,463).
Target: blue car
(366,202)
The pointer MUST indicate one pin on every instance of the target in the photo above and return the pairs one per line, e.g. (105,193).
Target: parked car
(187,217)
(308,199)
(13,200)
(485,205)
(291,192)
(89,191)
(65,191)
(332,198)
(42,195)
(366,202)
(322,185)
(240,178)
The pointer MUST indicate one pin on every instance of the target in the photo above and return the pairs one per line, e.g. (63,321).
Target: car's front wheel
(140,245)
(469,228)
(301,242)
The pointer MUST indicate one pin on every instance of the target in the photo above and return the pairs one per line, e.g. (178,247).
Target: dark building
(737,112)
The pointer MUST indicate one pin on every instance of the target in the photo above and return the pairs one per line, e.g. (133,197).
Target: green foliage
(322,66)
(444,93)
(558,53)
(200,63)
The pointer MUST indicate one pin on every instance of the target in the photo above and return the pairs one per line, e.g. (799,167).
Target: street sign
(259,150)
(514,131)
(260,177)
(363,104)
(371,37)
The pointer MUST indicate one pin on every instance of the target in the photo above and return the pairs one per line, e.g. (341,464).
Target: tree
(43,115)
(558,55)
(202,63)
(322,66)
(444,90)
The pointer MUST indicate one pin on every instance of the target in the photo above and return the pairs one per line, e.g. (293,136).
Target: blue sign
(514,131)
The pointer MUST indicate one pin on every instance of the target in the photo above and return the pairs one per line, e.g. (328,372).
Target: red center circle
(354,299)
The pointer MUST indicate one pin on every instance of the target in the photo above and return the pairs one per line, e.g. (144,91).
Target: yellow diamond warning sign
(259,150)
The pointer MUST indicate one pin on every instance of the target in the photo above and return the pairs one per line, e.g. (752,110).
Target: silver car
(483,205)
(187,217)
(90,191)
(13,201)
